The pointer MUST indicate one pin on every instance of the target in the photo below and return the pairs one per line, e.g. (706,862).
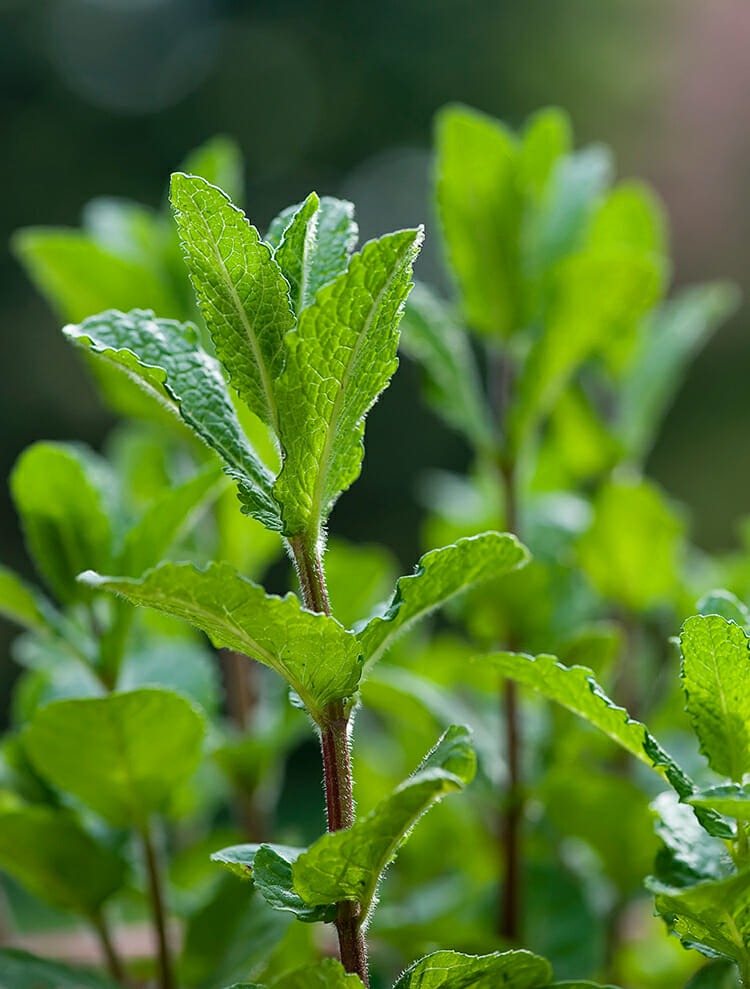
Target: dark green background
(106,96)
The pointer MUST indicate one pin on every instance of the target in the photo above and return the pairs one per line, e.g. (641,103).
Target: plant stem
(166,976)
(114,965)
(337,770)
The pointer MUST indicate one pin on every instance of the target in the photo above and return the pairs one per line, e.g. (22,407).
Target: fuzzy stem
(114,965)
(334,740)
(166,976)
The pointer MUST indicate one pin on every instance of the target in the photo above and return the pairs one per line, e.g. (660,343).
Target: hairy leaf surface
(453,970)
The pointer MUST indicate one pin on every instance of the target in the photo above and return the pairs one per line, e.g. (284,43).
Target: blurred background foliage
(105,97)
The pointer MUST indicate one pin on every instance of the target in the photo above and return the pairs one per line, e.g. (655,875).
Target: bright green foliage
(675,332)
(58,492)
(22,604)
(347,865)
(630,216)
(439,576)
(575,688)
(631,552)
(339,359)
(51,854)
(166,360)
(716,679)
(731,800)
(727,605)
(480,211)
(328,974)
(270,868)
(241,290)
(295,249)
(546,137)
(219,161)
(452,970)
(157,529)
(431,336)
(713,917)
(124,755)
(317,657)
(21,970)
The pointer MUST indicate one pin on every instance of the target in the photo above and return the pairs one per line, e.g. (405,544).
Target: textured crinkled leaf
(347,865)
(317,657)
(21,603)
(716,680)
(241,290)
(20,970)
(158,527)
(431,336)
(674,333)
(439,575)
(124,755)
(50,853)
(632,550)
(594,296)
(731,800)
(219,161)
(79,277)
(59,492)
(294,252)
(713,917)
(575,688)
(340,358)
(726,604)
(690,855)
(480,211)
(166,360)
(453,970)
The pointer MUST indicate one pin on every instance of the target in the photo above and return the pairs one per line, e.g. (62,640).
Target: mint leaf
(124,755)
(166,360)
(347,865)
(674,334)
(340,358)
(241,290)
(575,688)
(219,161)
(631,216)
(546,138)
(49,852)
(453,970)
(716,680)
(439,576)
(327,974)
(726,604)
(480,211)
(431,336)
(314,654)
(295,250)
(59,492)
(731,800)
(23,604)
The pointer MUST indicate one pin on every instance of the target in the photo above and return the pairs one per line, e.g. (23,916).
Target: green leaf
(431,336)
(295,249)
(178,664)
(79,277)
(575,688)
(546,137)
(124,755)
(716,680)
(480,209)
(713,917)
(731,800)
(23,604)
(726,604)
(52,856)
(717,975)
(595,296)
(171,511)
(20,970)
(316,656)
(439,576)
(689,855)
(632,550)
(58,492)
(327,974)
(241,290)
(270,868)
(219,161)
(632,216)
(166,360)
(340,358)
(453,970)
(347,865)
(675,333)
(359,577)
